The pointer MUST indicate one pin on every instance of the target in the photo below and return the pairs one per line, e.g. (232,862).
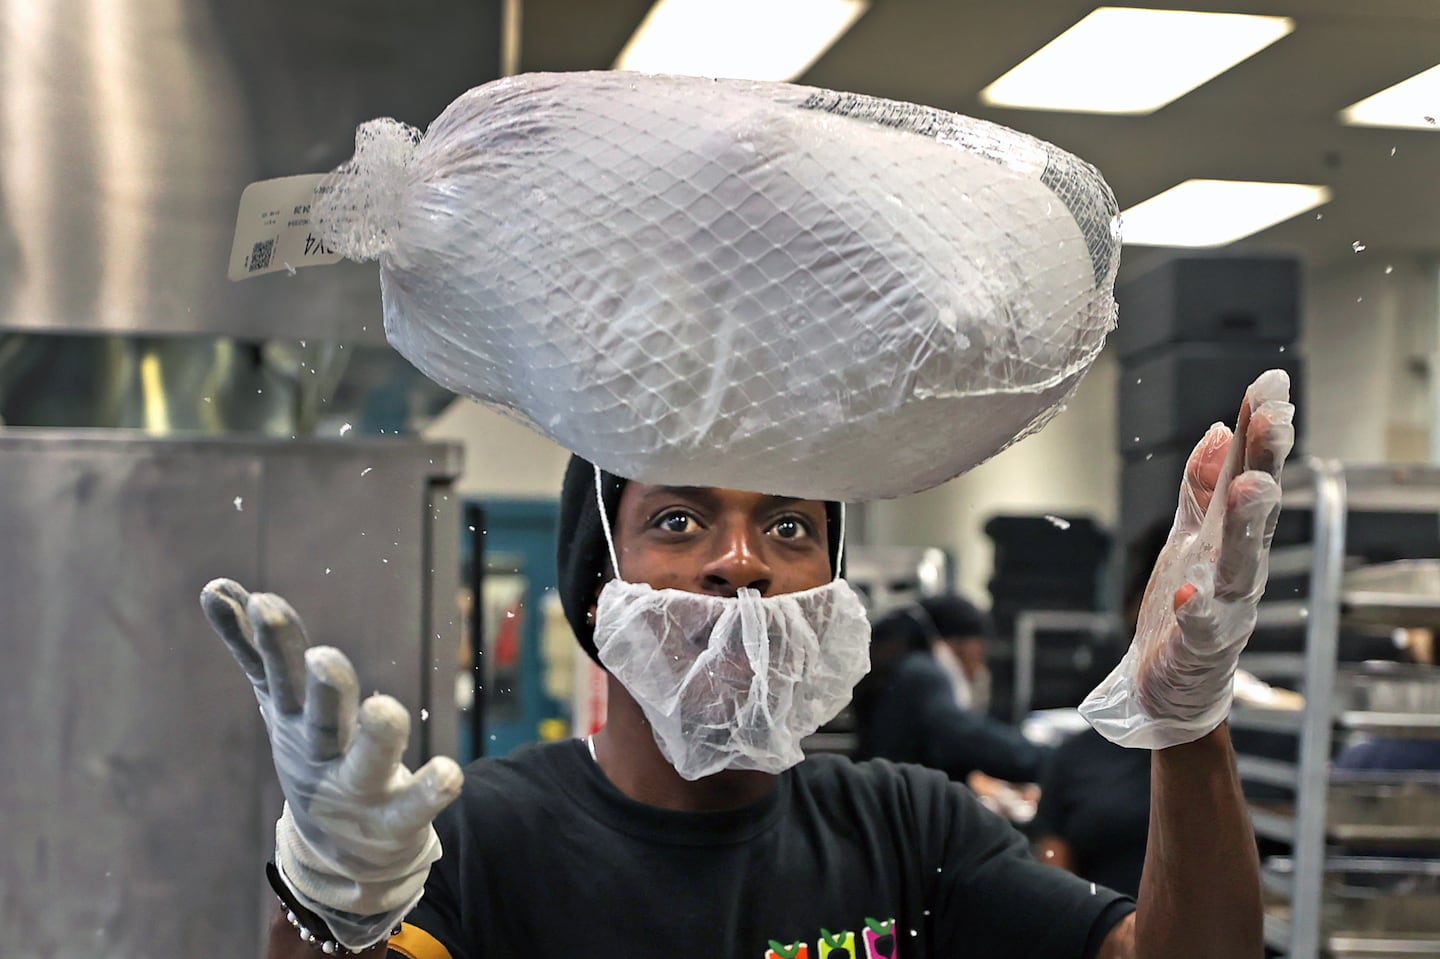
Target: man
(910,707)
(959,632)
(604,848)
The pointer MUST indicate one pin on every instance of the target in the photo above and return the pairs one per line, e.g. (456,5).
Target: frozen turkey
(730,283)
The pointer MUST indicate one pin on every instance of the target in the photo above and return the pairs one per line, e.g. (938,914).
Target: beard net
(733,682)
(733,283)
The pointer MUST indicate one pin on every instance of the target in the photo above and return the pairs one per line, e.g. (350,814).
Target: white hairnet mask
(734,283)
(732,682)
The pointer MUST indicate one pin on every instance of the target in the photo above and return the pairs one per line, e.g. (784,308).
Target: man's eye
(791,528)
(677,523)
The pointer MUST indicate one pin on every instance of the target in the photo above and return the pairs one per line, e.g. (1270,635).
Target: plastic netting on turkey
(731,283)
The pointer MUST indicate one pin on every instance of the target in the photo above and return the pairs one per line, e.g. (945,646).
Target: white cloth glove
(1175,683)
(355,841)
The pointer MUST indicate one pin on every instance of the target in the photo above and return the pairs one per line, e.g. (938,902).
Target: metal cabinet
(139,800)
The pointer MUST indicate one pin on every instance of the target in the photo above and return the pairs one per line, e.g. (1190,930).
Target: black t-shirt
(544,857)
(1096,797)
(913,718)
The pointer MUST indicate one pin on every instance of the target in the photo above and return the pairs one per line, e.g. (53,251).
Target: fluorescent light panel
(1133,61)
(742,39)
(1207,213)
(1412,104)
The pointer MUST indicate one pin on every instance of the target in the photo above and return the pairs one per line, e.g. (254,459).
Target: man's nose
(738,562)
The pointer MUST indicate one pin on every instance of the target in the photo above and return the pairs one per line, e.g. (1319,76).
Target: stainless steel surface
(1381,947)
(1322,637)
(140,801)
(1394,725)
(1288,612)
(1403,489)
(1268,720)
(1287,666)
(1272,825)
(1399,594)
(1389,688)
(1371,898)
(1384,807)
(1274,772)
(164,385)
(1277,931)
(129,128)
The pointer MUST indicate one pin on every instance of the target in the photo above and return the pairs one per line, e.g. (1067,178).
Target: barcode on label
(260,255)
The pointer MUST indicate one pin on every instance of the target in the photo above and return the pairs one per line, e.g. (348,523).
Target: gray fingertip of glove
(433,787)
(382,730)
(330,666)
(223,588)
(270,610)
(331,694)
(442,778)
(223,603)
(384,718)
(280,638)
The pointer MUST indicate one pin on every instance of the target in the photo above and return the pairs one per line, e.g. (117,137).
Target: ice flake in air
(1057,522)
(239,504)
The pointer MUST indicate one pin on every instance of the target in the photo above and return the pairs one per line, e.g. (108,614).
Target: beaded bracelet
(305,922)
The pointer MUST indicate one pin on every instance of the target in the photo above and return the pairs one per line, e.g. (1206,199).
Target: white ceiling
(1273,117)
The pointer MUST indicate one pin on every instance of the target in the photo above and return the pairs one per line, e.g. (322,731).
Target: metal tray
(1383,807)
(1381,687)
(1400,594)
(1368,898)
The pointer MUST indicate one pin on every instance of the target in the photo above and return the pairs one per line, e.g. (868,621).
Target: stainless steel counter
(138,801)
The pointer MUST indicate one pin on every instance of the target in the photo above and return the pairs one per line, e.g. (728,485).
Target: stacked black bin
(1045,563)
(1193,333)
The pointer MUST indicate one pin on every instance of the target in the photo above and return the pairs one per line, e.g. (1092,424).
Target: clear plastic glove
(1175,683)
(355,841)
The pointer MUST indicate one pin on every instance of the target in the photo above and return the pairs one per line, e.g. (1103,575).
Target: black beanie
(582,559)
(954,617)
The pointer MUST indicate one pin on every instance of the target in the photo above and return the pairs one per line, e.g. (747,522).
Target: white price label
(275,229)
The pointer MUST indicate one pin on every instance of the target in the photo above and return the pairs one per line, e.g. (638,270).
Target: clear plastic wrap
(733,682)
(1176,681)
(354,842)
(731,283)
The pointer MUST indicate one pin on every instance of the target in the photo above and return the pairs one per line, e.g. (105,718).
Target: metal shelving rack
(1332,491)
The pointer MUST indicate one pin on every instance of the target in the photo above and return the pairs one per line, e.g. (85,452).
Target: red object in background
(507,637)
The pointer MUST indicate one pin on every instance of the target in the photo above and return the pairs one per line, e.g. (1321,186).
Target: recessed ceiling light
(1205,213)
(1409,104)
(742,39)
(1133,61)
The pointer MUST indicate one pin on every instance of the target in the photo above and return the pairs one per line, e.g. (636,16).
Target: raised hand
(354,842)
(1174,684)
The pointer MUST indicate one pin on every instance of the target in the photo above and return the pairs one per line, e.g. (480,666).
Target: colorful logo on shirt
(877,938)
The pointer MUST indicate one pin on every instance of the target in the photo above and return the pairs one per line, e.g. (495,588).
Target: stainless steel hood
(129,128)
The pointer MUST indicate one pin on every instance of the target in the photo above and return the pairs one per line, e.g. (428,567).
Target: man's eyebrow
(706,494)
(701,493)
